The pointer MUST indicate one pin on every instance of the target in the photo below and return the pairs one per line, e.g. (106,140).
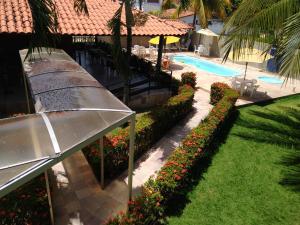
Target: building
(215,25)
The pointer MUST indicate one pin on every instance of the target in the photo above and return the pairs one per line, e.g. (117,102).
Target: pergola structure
(72,110)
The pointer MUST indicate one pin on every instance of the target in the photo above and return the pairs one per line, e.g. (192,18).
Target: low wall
(147,100)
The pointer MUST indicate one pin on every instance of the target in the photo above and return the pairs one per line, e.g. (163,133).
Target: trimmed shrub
(175,175)
(189,78)
(217,92)
(150,127)
(27,204)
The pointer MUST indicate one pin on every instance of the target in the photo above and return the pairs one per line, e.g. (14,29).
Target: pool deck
(265,91)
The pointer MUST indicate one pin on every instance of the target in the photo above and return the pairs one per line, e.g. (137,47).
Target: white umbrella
(207,32)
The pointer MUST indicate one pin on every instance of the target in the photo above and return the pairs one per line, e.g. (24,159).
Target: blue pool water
(271,80)
(207,66)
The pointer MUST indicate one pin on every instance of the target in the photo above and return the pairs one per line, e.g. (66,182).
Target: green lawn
(246,180)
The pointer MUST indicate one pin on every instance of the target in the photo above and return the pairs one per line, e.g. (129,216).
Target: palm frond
(45,24)
(201,13)
(256,20)
(184,4)
(115,24)
(289,49)
(80,6)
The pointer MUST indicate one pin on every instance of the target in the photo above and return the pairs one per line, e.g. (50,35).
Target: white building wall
(151,6)
(147,7)
(214,25)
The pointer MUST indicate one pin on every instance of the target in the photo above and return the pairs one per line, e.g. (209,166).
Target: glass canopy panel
(50,66)
(9,174)
(76,98)
(24,139)
(60,80)
(74,127)
(56,54)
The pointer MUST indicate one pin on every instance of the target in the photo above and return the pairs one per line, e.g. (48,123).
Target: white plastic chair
(196,49)
(252,88)
(235,84)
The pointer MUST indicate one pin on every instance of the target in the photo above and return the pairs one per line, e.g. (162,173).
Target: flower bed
(150,127)
(174,176)
(26,205)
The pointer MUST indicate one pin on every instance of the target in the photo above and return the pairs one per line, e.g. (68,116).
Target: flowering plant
(150,127)
(27,204)
(217,92)
(175,175)
(189,78)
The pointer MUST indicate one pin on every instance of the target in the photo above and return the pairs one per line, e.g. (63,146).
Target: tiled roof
(178,24)
(171,13)
(15,17)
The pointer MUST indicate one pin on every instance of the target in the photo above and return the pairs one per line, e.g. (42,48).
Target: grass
(253,178)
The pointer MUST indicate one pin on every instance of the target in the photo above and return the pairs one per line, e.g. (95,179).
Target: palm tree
(204,9)
(258,21)
(115,24)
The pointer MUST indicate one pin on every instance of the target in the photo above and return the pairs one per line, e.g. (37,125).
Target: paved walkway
(77,196)
(155,158)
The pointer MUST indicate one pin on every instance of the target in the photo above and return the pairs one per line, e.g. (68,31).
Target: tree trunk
(128,52)
(194,20)
(127,78)
(159,54)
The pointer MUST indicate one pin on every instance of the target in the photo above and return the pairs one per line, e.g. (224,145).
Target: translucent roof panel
(73,127)
(24,139)
(11,173)
(72,110)
(61,80)
(57,82)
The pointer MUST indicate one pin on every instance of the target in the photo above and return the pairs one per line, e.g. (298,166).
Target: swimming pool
(207,66)
(271,80)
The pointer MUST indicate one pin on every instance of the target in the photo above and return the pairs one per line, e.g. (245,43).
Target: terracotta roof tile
(178,24)
(15,17)
(171,13)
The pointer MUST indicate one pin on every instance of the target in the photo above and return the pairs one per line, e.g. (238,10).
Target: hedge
(217,92)
(189,78)
(27,204)
(150,127)
(174,176)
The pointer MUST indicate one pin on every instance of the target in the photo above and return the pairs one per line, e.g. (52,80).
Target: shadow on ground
(178,203)
(279,127)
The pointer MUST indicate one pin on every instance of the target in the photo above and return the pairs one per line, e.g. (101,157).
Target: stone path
(77,196)
(155,158)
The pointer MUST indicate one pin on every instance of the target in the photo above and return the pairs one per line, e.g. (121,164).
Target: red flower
(177,177)
(184,171)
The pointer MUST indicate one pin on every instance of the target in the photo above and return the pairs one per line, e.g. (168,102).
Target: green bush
(174,176)
(27,204)
(150,127)
(189,78)
(217,92)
